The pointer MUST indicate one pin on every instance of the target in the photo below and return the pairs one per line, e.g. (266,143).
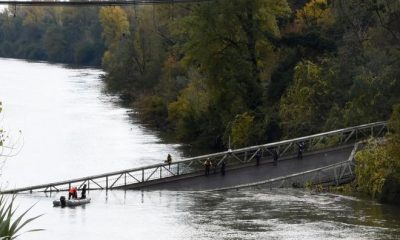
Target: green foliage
(153,110)
(394,140)
(305,106)
(378,165)
(235,56)
(370,171)
(394,123)
(115,25)
(10,223)
(189,112)
(55,34)
(316,13)
(241,130)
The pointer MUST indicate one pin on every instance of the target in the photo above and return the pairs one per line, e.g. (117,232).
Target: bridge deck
(253,173)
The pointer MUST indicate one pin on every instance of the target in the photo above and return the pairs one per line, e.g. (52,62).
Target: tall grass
(11,224)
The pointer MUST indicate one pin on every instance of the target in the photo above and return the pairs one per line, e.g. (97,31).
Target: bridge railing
(334,174)
(147,175)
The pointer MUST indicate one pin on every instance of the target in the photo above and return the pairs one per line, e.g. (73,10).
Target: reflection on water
(72,129)
(253,214)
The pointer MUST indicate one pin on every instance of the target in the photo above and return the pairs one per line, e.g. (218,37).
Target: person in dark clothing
(169,161)
(207,165)
(258,158)
(215,165)
(300,150)
(275,156)
(83,193)
(223,165)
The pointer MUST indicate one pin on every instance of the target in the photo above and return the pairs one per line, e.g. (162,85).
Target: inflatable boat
(63,202)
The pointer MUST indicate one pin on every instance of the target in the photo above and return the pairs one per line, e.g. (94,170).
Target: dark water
(71,129)
(265,214)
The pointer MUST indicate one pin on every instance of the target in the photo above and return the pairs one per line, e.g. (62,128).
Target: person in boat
(73,192)
(83,193)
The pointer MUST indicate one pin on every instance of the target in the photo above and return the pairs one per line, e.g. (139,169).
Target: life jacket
(73,190)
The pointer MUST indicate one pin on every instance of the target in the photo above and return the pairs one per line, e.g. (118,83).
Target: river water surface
(70,128)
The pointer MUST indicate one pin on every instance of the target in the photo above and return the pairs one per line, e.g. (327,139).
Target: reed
(12,224)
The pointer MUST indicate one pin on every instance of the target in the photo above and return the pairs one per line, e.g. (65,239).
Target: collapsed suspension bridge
(328,159)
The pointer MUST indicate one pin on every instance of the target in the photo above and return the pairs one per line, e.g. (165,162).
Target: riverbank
(377,167)
(274,71)
(71,128)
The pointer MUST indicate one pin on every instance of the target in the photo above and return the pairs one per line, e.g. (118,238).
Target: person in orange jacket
(73,192)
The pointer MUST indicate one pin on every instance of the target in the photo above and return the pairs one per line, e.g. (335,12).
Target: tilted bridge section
(332,174)
(240,164)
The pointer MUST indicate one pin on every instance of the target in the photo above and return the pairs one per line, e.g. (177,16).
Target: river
(71,128)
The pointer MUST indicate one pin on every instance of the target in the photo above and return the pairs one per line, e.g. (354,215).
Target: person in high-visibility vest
(73,192)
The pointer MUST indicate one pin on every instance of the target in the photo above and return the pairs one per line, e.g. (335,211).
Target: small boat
(70,203)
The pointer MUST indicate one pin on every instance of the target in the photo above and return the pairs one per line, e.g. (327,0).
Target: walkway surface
(253,173)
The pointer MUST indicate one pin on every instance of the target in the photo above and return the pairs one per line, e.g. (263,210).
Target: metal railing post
(356,134)
(177,172)
(142,175)
(106,182)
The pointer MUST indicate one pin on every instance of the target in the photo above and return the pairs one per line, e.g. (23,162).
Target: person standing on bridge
(275,156)
(169,161)
(300,150)
(223,165)
(207,165)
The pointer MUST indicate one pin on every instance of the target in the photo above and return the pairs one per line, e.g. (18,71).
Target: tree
(241,130)
(315,14)
(235,56)
(378,165)
(306,104)
(115,27)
